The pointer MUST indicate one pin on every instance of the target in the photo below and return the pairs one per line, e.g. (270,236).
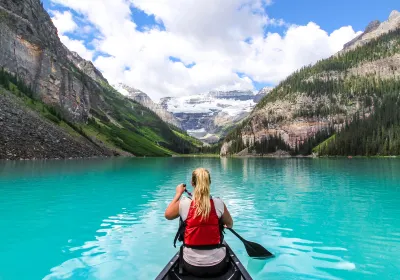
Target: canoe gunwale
(164,273)
(233,258)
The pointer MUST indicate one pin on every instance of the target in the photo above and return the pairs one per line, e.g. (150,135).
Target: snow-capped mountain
(210,115)
(145,100)
(207,116)
(263,92)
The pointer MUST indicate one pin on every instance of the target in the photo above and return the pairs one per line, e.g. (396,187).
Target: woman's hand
(180,189)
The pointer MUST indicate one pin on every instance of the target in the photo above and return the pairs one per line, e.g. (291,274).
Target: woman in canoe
(203,218)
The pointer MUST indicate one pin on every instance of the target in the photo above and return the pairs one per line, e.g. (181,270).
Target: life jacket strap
(180,264)
(180,232)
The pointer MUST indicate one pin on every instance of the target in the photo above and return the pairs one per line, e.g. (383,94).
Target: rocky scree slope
(318,101)
(27,135)
(31,50)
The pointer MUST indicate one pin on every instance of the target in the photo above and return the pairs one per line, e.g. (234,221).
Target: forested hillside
(378,134)
(344,99)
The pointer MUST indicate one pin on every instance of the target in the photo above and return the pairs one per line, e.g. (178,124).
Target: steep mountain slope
(31,51)
(209,116)
(378,134)
(145,100)
(26,134)
(317,101)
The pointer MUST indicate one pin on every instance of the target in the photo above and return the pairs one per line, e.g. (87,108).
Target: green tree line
(377,134)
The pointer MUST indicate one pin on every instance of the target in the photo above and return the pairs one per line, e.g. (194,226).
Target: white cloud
(269,2)
(77,46)
(64,21)
(87,29)
(275,57)
(209,33)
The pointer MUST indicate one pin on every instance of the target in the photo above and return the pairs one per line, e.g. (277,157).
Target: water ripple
(323,219)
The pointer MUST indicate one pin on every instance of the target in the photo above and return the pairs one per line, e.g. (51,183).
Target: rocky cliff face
(327,94)
(145,100)
(31,49)
(209,116)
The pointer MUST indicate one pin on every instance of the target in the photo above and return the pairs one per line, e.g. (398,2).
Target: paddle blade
(256,250)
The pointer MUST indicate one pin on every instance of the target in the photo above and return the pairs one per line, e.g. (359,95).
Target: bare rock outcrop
(225,148)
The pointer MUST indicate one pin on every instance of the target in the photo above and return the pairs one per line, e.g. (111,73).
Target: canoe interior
(236,270)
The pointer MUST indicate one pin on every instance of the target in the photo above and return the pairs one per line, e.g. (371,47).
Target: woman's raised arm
(172,211)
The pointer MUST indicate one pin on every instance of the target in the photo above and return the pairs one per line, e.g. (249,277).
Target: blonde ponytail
(201,180)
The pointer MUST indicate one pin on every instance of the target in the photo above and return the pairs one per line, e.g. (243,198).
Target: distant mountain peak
(142,98)
(231,94)
(374,30)
(208,116)
(372,26)
(262,93)
(131,92)
(265,90)
(394,15)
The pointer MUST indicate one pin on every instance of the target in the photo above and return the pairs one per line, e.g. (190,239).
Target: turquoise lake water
(104,219)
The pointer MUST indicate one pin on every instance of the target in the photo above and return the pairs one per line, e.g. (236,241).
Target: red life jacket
(202,232)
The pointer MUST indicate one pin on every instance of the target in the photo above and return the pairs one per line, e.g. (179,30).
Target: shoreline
(60,159)
(197,155)
(204,156)
(310,156)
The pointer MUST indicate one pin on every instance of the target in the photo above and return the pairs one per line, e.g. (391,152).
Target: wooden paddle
(253,249)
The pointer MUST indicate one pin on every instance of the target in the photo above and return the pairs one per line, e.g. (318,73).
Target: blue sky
(331,15)
(267,61)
